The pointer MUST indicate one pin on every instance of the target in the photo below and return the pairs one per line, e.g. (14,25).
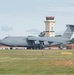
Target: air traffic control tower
(50,26)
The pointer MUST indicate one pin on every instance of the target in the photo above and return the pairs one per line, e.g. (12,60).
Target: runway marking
(66,53)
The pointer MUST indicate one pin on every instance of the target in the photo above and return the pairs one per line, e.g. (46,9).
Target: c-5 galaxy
(39,42)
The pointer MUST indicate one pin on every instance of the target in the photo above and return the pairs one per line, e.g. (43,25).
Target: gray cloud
(59,9)
(71,1)
(33,31)
(6,28)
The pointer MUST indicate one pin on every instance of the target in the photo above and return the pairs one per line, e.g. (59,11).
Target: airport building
(50,26)
(70,46)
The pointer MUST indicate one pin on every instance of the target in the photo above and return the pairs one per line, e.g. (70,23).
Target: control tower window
(52,28)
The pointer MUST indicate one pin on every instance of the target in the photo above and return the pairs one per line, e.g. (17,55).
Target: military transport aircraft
(39,42)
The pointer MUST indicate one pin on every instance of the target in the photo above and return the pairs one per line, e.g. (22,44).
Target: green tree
(42,34)
(58,35)
(72,40)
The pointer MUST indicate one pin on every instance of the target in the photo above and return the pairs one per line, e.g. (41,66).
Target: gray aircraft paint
(40,41)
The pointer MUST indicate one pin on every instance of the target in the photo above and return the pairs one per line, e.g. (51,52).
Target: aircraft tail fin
(69,31)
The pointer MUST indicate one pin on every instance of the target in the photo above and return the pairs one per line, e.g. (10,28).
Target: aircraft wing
(43,39)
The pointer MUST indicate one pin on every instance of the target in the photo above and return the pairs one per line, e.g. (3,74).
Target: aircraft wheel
(28,47)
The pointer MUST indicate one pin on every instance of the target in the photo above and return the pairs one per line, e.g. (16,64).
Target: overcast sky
(26,17)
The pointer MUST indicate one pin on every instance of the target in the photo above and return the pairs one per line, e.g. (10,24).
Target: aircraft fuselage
(32,42)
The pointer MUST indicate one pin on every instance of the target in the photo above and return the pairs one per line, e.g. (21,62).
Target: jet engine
(46,44)
(38,44)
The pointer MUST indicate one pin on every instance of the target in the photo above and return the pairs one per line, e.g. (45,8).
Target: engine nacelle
(46,44)
(38,45)
(36,42)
